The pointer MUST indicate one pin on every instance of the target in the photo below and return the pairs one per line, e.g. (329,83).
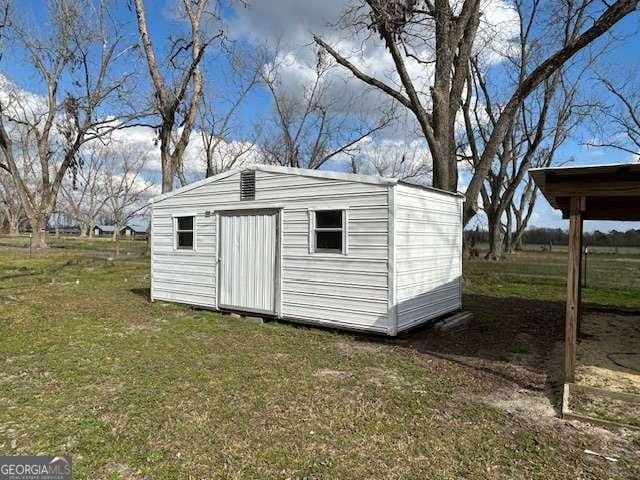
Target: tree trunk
(168,171)
(508,236)
(209,172)
(14,222)
(39,231)
(495,239)
(517,241)
(116,238)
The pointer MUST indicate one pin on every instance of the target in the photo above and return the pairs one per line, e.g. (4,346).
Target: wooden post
(580,266)
(573,287)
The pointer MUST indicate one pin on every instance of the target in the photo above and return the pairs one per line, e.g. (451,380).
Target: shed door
(247,256)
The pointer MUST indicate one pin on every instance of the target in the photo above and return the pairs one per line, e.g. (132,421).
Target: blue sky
(292,22)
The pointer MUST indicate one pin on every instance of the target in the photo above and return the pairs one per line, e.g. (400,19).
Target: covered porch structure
(607,192)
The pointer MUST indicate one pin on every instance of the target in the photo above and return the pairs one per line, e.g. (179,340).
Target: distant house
(129,231)
(101,230)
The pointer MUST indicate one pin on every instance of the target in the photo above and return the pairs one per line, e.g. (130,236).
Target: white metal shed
(337,249)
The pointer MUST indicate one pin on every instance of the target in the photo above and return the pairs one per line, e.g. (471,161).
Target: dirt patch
(523,403)
(626,413)
(330,374)
(538,408)
(608,356)
(104,389)
(187,313)
(141,327)
(19,358)
(122,471)
(352,348)
(383,377)
(8,299)
(130,329)
(281,356)
(117,421)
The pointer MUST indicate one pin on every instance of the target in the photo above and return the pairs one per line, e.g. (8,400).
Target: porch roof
(610,192)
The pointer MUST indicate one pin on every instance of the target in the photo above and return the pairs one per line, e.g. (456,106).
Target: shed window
(328,231)
(184,233)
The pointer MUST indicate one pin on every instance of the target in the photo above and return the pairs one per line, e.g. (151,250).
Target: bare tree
(440,37)
(409,162)
(519,198)
(5,16)
(126,189)
(177,93)
(568,115)
(218,122)
(314,126)
(84,197)
(11,211)
(80,48)
(522,206)
(619,121)
(543,121)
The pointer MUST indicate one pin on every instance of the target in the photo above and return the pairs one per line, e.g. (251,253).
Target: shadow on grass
(510,342)
(142,292)
(23,271)
(517,340)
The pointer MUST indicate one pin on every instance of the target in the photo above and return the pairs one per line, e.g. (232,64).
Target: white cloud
(408,159)
(290,24)
(19,103)
(144,139)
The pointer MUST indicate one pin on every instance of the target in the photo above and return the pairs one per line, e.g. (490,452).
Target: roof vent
(248,185)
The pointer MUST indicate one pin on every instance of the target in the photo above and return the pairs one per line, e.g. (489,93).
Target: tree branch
(374,82)
(612,15)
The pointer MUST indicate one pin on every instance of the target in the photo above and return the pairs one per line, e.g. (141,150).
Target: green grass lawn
(136,390)
(611,279)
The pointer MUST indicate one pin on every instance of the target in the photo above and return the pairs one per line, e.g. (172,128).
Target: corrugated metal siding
(349,291)
(248,261)
(183,276)
(428,254)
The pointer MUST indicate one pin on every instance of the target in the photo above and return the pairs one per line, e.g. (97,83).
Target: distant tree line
(558,236)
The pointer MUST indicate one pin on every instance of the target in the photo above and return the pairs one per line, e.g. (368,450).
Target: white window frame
(176,231)
(312,231)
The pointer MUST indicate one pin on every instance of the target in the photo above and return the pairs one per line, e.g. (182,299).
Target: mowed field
(612,276)
(134,390)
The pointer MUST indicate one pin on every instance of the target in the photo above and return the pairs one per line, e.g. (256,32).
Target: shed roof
(352,177)
(133,228)
(611,192)
(106,228)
